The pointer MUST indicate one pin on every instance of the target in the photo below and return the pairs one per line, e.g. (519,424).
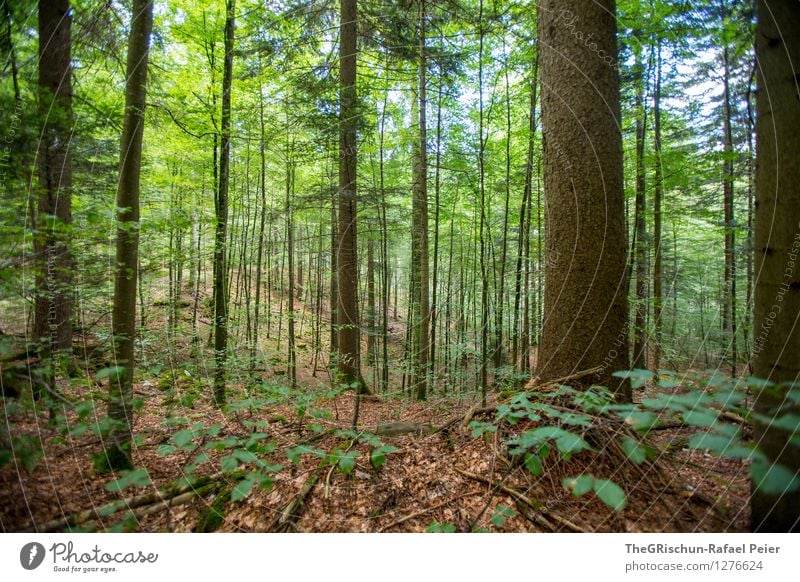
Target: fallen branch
(424,511)
(156,497)
(287,520)
(539,514)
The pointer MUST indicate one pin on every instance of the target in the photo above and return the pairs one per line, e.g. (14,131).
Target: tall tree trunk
(262,225)
(776,350)
(384,253)
(499,358)
(349,333)
(291,363)
(482,372)
(658,277)
(220,241)
(640,225)
(527,192)
(419,233)
(371,318)
(585,302)
(729,311)
(123,317)
(53,310)
(434,312)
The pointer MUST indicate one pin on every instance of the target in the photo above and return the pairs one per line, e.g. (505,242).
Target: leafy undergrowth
(552,459)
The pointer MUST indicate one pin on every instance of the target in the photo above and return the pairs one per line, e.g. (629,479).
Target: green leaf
(245,456)
(610,493)
(347,462)
(228,463)
(534,464)
(113,373)
(294,453)
(135,478)
(242,488)
(480,428)
(437,527)
(378,455)
(773,479)
(634,450)
(569,443)
(700,417)
(501,514)
(165,450)
(579,485)
(5,457)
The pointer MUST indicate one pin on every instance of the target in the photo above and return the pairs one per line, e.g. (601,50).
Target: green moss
(214,514)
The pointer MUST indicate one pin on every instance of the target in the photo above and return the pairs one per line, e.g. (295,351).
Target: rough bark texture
(729,308)
(585,318)
(640,226)
(123,318)
(53,311)
(349,334)
(220,240)
(658,294)
(776,348)
(419,233)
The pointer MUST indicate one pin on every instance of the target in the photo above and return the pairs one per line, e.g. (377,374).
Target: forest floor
(447,477)
(318,475)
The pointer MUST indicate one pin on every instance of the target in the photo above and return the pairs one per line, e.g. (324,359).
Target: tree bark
(220,241)
(586,308)
(349,333)
(123,317)
(419,233)
(776,348)
(53,302)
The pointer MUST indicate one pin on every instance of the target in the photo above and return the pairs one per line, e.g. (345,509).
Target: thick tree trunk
(349,333)
(53,310)
(123,318)
(220,241)
(586,308)
(776,349)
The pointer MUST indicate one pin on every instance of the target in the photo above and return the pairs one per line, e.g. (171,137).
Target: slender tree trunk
(586,307)
(291,362)
(220,267)
(640,226)
(384,253)
(658,293)
(523,235)
(499,358)
(123,317)
(53,302)
(729,301)
(349,333)
(262,225)
(419,233)
(482,374)
(776,349)
(434,313)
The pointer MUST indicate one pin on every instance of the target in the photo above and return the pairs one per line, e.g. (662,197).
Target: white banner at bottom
(401,557)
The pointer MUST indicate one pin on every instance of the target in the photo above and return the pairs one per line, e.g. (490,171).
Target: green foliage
(134,478)
(501,514)
(437,527)
(607,491)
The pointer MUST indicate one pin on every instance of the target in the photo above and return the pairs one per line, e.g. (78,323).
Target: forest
(400,266)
